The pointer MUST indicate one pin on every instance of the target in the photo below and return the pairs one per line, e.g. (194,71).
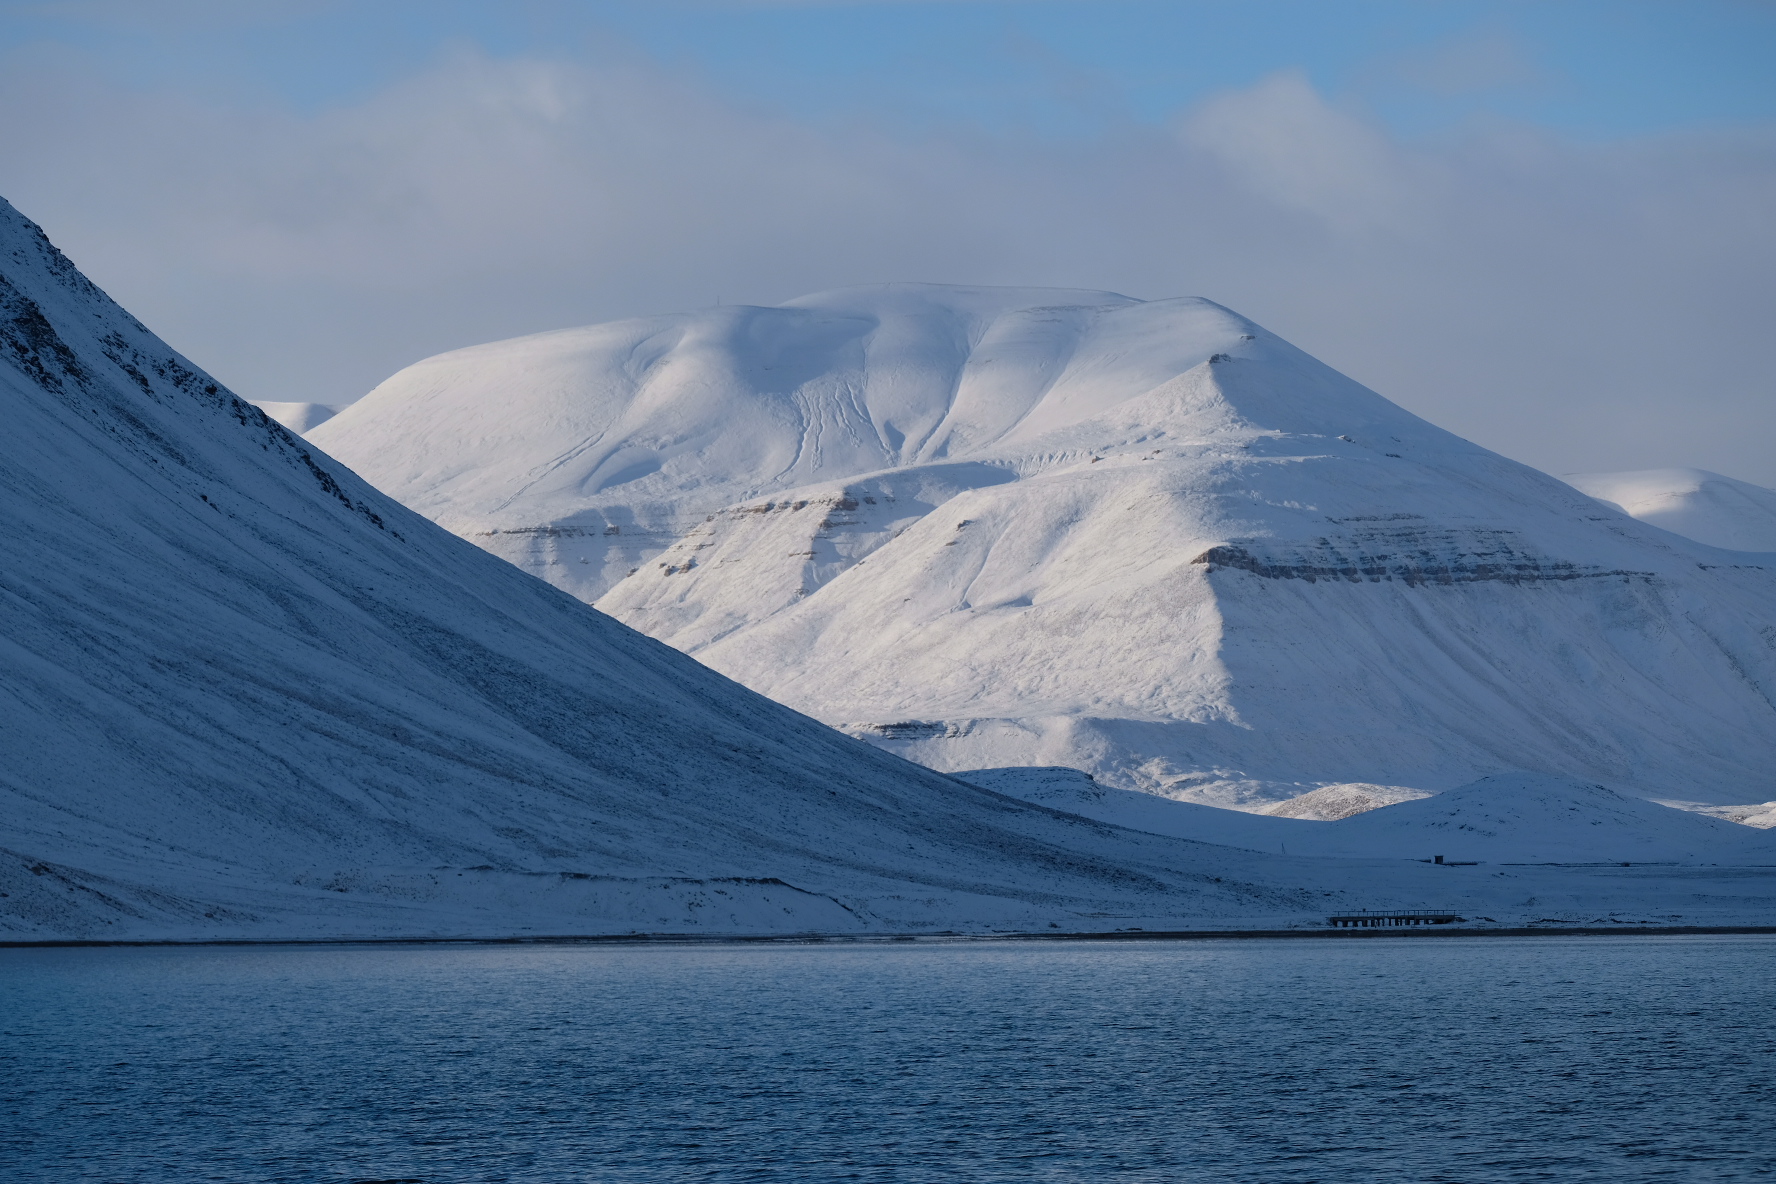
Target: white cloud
(1578,306)
(1287,144)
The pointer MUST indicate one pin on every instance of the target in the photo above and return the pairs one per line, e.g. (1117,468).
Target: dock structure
(1381,918)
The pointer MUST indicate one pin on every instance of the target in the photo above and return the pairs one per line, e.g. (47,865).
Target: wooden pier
(1381,918)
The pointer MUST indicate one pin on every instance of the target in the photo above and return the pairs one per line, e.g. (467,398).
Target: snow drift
(1149,540)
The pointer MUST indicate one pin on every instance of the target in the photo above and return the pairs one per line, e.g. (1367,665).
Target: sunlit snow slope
(1150,540)
(241,692)
(1695,503)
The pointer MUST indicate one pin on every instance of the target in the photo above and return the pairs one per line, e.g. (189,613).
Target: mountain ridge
(1146,539)
(244,691)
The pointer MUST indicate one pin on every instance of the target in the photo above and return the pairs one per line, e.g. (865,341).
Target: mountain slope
(1504,819)
(1695,503)
(243,692)
(1151,540)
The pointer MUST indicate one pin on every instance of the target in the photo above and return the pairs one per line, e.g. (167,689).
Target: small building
(1382,918)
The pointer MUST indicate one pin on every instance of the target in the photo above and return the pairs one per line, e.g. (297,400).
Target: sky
(1549,226)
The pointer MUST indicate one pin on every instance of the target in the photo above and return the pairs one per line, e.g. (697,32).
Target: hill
(1707,507)
(1513,818)
(1145,539)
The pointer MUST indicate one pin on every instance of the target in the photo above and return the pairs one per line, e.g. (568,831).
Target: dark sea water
(1472,1059)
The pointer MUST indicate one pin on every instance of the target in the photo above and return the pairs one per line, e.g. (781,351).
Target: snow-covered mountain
(1149,540)
(1512,818)
(243,692)
(1695,503)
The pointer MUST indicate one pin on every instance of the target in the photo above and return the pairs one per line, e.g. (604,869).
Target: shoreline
(681,939)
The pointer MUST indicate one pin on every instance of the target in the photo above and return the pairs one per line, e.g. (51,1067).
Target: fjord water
(1473,1059)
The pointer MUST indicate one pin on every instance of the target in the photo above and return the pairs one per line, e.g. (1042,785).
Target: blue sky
(1593,68)
(1548,226)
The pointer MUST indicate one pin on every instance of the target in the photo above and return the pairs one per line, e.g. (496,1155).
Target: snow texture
(1707,507)
(1759,814)
(1146,540)
(1332,802)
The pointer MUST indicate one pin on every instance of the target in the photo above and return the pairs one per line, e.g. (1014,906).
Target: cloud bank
(1579,306)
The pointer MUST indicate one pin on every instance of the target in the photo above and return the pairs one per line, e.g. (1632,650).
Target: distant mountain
(243,693)
(1503,819)
(1539,819)
(1148,540)
(1695,503)
(298,417)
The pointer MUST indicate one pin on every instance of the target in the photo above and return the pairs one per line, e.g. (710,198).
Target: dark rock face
(1410,555)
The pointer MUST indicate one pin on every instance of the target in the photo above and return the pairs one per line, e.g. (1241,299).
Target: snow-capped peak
(1146,539)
